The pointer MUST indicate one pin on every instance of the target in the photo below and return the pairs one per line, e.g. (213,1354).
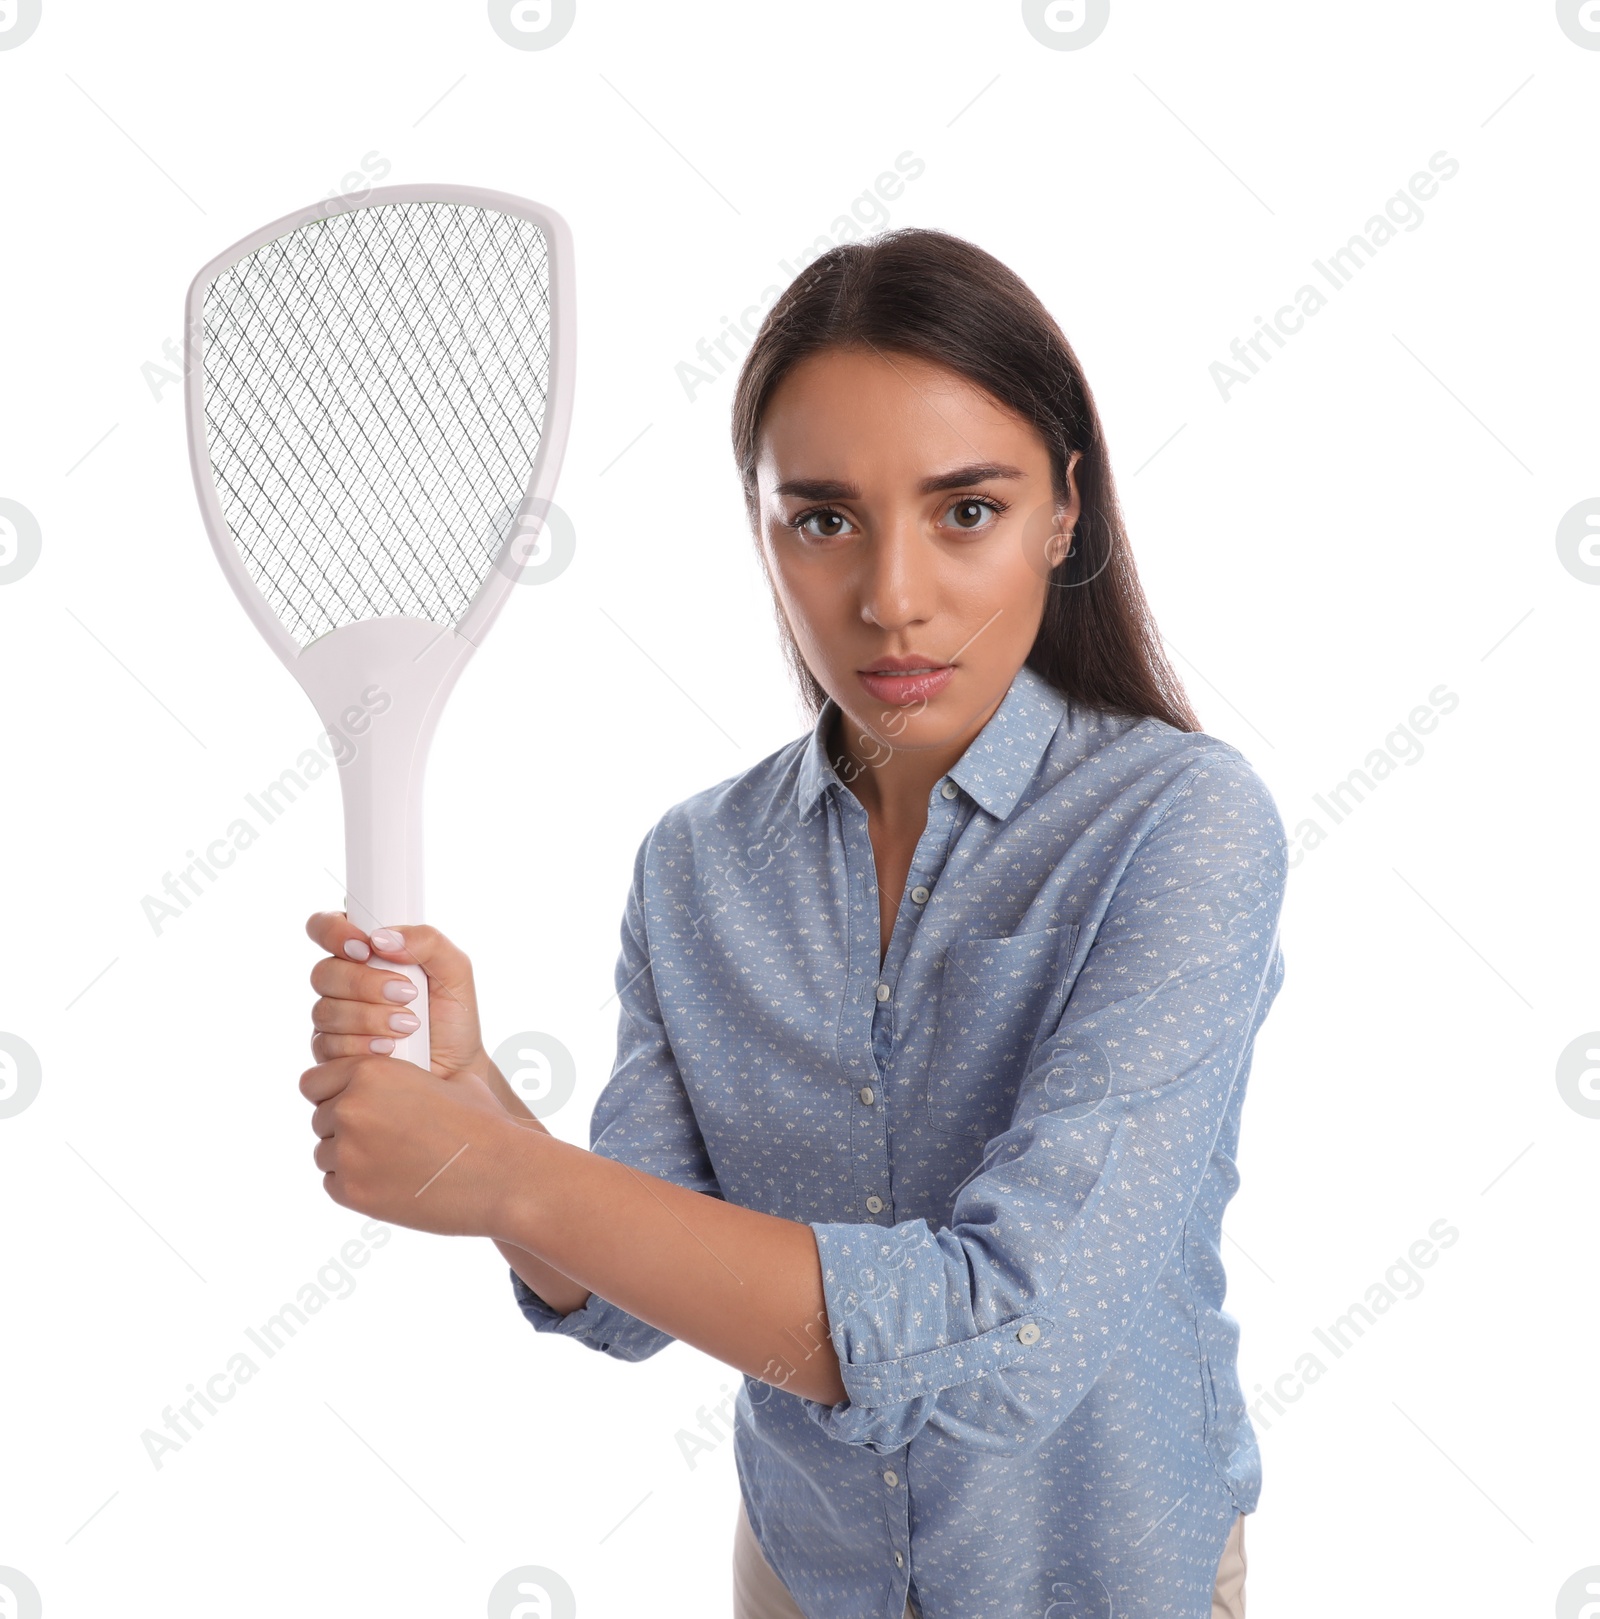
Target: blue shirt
(1014,1141)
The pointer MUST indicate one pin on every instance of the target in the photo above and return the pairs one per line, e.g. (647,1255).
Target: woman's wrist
(483,1065)
(517,1210)
(514,1213)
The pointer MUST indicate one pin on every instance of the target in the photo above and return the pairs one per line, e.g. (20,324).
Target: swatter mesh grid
(375,388)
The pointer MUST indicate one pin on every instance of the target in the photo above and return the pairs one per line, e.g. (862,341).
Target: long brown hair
(942,299)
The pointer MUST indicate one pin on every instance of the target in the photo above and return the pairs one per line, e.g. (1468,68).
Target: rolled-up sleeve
(643,1117)
(993,1328)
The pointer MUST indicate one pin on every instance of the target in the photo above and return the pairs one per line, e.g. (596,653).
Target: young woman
(935,1024)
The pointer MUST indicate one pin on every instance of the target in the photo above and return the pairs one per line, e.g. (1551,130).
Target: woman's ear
(1064,525)
(1063,529)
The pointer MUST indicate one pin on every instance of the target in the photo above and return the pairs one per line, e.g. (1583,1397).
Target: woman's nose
(897,587)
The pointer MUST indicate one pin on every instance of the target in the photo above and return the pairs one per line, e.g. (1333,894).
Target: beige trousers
(758,1593)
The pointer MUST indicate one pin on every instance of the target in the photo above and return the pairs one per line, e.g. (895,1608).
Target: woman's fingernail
(404,1022)
(383,1047)
(356,950)
(387,939)
(400,989)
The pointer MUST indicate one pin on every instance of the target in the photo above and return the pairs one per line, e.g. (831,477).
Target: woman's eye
(971,514)
(833,524)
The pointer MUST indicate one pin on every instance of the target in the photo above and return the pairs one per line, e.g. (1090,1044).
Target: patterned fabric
(1014,1142)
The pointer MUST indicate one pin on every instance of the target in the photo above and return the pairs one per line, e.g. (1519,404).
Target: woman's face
(909,527)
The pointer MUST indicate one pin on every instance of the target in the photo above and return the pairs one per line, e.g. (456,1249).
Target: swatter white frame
(416,662)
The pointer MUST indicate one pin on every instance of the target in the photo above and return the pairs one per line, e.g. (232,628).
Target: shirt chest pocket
(996,997)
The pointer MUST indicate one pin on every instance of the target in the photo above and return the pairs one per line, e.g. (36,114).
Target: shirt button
(867,1094)
(1029,1334)
(948,790)
(919,896)
(874,1204)
(891,1478)
(884,992)
(899,1561)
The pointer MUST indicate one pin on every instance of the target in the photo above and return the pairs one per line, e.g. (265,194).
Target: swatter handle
(413,1047)
(392,675)
(383,871)
(382,789)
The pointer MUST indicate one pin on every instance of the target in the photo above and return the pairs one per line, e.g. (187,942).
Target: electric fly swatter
(378,397)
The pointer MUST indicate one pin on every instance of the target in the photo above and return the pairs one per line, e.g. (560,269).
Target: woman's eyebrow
(956,478)
(960,477)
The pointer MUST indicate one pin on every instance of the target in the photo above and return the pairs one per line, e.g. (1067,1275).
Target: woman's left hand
(431,1151)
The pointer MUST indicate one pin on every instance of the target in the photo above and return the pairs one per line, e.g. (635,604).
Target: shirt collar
(995,770)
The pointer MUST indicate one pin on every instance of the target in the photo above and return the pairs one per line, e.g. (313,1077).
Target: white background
(1373,516)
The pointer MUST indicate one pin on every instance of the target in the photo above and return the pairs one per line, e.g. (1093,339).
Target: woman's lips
(899,688)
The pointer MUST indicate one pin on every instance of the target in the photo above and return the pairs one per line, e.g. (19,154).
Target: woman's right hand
(351,1019)
(359,996)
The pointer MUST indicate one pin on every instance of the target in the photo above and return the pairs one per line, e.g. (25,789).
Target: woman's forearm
(560,1292)
(740,1285)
